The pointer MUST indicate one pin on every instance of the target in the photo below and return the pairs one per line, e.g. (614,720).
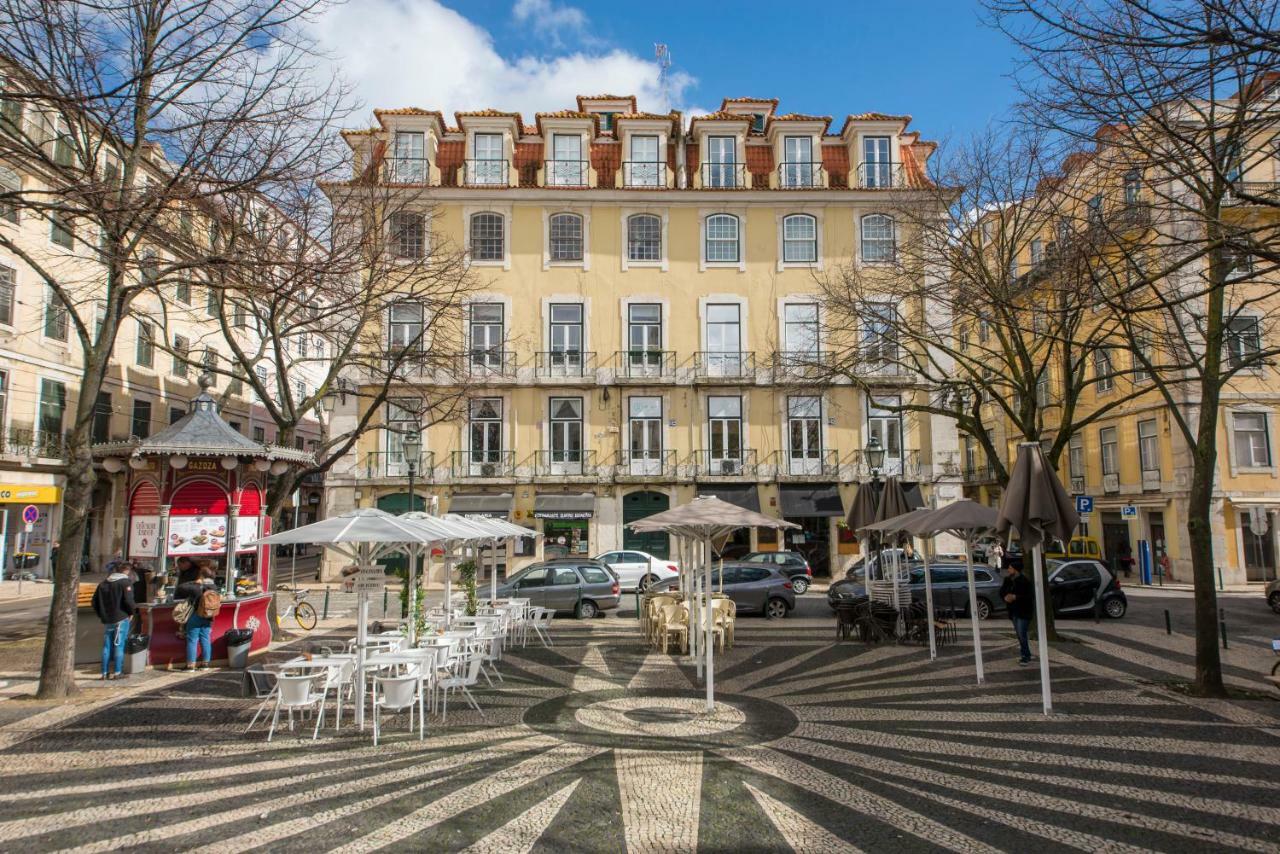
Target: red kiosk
(197,490)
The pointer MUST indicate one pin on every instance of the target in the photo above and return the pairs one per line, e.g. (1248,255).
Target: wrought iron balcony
(565,463)
(37,444)
(1249,192)
(630,463)
(483,464)
(724,176)
(487,364)
(713,365)
(1130,214)
(640,174)
(487,173)
(740,462)
(980,473)
(880,176)
(564,364)
(792,365)
(406,170)
(566,173)
(812,464)
(641,365)
(393,464)
(799,175)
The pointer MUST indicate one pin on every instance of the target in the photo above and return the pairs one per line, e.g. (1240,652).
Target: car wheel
(586,610)
(775,609)
(984,609)
(1115,607)
(800,584)
(646,582)
(1274,601)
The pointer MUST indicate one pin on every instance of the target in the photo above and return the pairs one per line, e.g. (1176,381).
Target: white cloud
(550,21)
(421,54)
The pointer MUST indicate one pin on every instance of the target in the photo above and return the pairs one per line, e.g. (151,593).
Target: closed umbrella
(1037,507)
(862,512)
(904,524)
(893,502)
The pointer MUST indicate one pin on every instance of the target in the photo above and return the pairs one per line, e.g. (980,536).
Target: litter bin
(238,643)
(135,653)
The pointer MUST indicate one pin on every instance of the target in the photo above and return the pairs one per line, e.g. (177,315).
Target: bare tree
(132,117)
(1178,100)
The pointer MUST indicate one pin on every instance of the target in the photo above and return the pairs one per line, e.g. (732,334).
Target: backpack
(210,602)
(182,612)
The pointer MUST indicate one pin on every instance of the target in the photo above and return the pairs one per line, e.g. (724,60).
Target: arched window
(566,237)
(722,238)
(487,237)
(644,238)
(877,238)
(799,239)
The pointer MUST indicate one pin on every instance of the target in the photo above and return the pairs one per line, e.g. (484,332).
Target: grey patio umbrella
(704,521)
(862,512)
(965,520)
(1036,506)
(904,524)
(893,502)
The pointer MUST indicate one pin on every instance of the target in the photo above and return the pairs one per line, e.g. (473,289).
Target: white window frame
(13,294)
(663,216)
(802,301)
(505,229)
(1114,434)
(741,215)
(1268,419)
(393,237)
(1145,465)
(585,214)
(816,217)
(860,225)
(505,212)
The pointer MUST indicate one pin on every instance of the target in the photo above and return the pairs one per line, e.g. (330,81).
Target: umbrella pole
(493,570)
(448,588)
(710,646)
(928,598)
(973,610)
(412,596)
(695,609)
(1037,567)
(362,635)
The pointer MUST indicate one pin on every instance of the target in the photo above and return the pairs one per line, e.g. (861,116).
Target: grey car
(755,589)
(583,587)
(950,589)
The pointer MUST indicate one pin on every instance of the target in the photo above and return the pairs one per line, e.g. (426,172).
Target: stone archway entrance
(637,506)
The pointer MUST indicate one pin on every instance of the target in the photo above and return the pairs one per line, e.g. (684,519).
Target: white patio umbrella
(485,529)
(703,521)
(363,536)
(450,532)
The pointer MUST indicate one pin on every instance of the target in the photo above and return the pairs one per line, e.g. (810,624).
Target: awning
(482,504)
(745,496)
(553,506)
(822,499)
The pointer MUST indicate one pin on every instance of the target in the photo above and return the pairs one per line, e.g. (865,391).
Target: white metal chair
(397,694)
(262,683)
(298,692)
(540,621)
(488,648)
(464,674)
(339,680)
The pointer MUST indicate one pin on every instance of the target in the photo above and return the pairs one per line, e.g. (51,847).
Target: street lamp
(875,456)
(412,448)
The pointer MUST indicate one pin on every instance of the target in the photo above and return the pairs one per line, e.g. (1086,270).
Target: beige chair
(653,608)
(726,615)
(673,621)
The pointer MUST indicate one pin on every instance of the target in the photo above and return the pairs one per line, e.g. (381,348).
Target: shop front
(493,505)
(565,521)
(815,508)
(746,496)
(22,550)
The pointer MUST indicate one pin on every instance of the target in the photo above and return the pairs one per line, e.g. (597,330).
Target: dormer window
(642,168)
(757,122)
(721,166)
(797,163)
(409,158)
(487,165)
(606,120)
(567,167)
(877,167)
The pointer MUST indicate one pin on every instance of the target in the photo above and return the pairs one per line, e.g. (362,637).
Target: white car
(637,570)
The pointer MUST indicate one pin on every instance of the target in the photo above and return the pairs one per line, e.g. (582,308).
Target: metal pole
(1037,566)
(1222,624)
(362,633)
(493,570)
(1168,623)
(973,609)
(293,561)
(709,617)
(928,598)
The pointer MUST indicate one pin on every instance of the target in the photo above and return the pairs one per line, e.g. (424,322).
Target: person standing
(114,604)
(1020,598)
(995,556)
(187,571)
(202,593)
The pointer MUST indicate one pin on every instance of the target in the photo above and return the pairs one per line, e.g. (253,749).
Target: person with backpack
(202,603)
(114,604)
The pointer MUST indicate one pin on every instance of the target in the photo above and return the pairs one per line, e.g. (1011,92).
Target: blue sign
(1128,512)
(30,514)
(1084,503)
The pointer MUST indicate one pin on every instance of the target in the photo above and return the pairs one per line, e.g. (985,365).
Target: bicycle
(302,611)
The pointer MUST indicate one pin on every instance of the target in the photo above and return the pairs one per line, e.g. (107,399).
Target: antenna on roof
(663,55)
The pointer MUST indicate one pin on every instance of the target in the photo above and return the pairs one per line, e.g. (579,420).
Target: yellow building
(647,327)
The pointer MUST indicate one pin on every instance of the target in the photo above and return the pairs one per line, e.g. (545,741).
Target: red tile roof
(528,158)
(727,101)
(488,114)
(720,117)
(606,158)
(450,155)
(410,111)
(570,114)
(835,162)
(913,169)
(631,98)
(760,164)
(801,117)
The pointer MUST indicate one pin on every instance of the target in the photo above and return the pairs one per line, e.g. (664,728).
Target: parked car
(950,588)
(755,589)
(1075,585)
(1079,547)
(635,569)
(857,569)
(583,587)
(1273,596)
(792,564)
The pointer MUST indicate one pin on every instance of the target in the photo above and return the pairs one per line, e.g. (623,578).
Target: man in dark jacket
(1020,595)
(113,603)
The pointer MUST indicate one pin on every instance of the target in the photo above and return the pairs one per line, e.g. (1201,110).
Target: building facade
(648,326)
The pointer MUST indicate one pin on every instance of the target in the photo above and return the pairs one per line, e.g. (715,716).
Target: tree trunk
(1208,682)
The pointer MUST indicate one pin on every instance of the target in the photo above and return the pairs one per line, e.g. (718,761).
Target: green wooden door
(637,506)
(398,503)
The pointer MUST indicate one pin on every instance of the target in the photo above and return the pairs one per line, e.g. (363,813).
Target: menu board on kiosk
(203,535)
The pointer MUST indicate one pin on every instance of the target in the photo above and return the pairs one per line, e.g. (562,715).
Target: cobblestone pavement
(597,744)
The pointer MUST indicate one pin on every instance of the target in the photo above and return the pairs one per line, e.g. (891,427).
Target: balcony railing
(1130,214)
(566,173)
(799,175)
(564,364)
(1269,190)
(487,173)
(801,364)
(1111,483)
(640,463)
(642,173)
(393,464)
(880,176)
(732,365)
(740,462)
(479,364)
(1151,481)
(406,170)
(25,442)
(724,176)
(979,473)
(483,464)
(565,463)
(824,463)
(644,364)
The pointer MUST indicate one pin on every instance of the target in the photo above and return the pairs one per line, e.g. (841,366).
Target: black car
(755,589)
(1075,586)
(1273,595)
(950,588)
(792,564)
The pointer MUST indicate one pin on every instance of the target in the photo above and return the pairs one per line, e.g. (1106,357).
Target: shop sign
(564,514)
(203,465)
(203,535)
(246,532)
(369,581)
(24,494)
(144,536)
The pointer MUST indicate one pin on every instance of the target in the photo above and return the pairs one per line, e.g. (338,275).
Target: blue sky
(933,59)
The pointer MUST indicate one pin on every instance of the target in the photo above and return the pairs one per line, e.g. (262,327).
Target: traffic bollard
(326,602)
(1222,623)
(1219,569)
(1168,623)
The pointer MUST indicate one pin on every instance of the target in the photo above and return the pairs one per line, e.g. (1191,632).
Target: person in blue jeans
(114,604)
(198,628)
(1020,596)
